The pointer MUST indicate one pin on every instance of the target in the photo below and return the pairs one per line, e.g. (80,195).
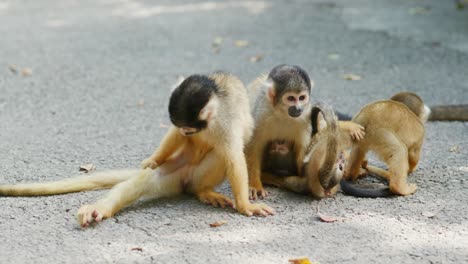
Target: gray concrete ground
(101,76)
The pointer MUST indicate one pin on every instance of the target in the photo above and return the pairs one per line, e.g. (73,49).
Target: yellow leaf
(352,77)
(241,43)
(300,261)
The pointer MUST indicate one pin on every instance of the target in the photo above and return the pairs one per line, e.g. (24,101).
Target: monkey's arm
(355,130)
(172,141)
(236,172)
(253,155)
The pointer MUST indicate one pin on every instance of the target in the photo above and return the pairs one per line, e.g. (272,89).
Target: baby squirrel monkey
(211,123)
(280,103)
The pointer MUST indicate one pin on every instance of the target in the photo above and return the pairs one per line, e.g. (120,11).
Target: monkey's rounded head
(188,102)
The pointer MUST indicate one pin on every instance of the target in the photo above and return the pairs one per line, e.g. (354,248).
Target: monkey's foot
(90,213)
(149,163)
(256,209)
(215,199)
(403,189)
(255,193)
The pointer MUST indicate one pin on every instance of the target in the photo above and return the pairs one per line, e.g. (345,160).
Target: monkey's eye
(291,98)
(302,97)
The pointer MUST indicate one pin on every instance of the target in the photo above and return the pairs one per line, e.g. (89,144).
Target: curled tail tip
(353,190)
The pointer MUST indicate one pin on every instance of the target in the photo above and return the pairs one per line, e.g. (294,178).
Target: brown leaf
(137,249)
(241,43)
(87,167)
(300,261)
(141,102)
(26,72)
(218,224)
(216,50)
(256,58)
(352,77)
(13,69)
(326,218)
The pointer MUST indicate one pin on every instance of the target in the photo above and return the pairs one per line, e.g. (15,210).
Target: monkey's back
(390,116)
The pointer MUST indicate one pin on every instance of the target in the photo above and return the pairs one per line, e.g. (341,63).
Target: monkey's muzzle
(187,131)
(295,111)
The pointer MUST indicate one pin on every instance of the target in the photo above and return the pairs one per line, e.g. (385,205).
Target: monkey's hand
(149,163)
(356,131)
(90,213)
(256,209)
(257,192)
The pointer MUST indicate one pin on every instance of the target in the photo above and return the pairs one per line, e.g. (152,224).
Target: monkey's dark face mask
(295,110)
(295,103)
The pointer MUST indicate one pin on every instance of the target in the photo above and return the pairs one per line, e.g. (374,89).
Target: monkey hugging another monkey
(211,124)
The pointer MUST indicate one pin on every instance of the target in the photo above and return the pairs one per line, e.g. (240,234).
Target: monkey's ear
(271,93)
(210,110)
(312,84)
(321,123)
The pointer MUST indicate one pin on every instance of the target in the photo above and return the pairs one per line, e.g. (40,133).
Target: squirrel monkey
(211,123)
(280,103)
(324,162)
(395,132)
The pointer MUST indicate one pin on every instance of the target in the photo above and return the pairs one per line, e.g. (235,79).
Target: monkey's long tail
(94,181)
(449,113)
(353,190)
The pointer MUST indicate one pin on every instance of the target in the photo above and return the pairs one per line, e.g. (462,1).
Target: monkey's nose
(294,111)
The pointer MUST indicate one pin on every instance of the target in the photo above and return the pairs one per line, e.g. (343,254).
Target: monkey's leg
(296,184)
(237,174)
(357,156)
(395,154)
(254,158)
(208,174)
(168,146)
(148,183)
(379,172)
(413,158)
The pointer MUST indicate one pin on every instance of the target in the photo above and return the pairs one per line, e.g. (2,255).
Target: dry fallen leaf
(241,43)
(87,167)
(300,261)
(137,249)
(216,50)
(26,71)
(256,58)
(333,56)
(352,77)
(326,219)
(141,102)
(13,69)
(455,149)
(218,224)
